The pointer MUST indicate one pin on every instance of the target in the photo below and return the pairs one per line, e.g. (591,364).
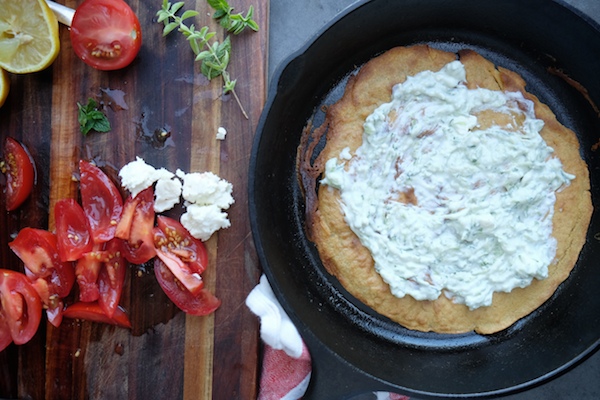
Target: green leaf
(90,118)
(176,7)
(169,28)
(189,14)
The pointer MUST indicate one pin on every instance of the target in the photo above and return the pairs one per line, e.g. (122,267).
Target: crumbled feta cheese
(221,132)
(202,221)
(207,188)
(137,176)
(167,193)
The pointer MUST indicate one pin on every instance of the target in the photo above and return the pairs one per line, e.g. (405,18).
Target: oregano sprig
(234,23)
(214,57)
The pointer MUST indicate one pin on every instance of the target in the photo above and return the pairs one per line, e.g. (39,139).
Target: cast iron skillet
(355,350)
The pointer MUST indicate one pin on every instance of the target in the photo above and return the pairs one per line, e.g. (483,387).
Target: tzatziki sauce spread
(480,218)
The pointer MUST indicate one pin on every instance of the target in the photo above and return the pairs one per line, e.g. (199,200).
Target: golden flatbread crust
(346,258)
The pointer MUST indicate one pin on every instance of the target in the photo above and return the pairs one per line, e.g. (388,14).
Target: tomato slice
(93,312)
(178,241)
(37,248)
(135,227)
(20,306)
(20,173)
(112,277)
(87,270)
(106,34)
(72,230)
(101,200)
(5,338)
(201,303)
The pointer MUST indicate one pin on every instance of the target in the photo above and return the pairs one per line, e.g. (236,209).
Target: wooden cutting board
(167,354)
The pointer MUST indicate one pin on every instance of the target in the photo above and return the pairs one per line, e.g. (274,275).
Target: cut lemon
(4,85)
(29,39)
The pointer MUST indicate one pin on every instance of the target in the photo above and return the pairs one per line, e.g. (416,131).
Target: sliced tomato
(177,240)
(20,306)
(101,200)
(106,34)
(93,312)
(135,227)
(20,173)
(5,338)
(87,270)
(73,232)
(52,303)
(111,277)
(37,248)
(201,303)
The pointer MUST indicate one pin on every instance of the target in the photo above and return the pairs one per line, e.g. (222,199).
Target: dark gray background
(292,24)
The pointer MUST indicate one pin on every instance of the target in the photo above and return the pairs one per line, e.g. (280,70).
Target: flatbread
(346,258)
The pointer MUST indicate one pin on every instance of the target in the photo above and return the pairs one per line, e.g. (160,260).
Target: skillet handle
(333,378)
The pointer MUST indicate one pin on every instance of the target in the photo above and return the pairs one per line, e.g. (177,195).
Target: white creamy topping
(482,219)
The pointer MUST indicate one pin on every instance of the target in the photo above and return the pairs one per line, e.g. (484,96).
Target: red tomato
(93,312)
(106,34)
(202,303)
(20,306)
(38,251)
(111,277)
(5,338)
(87,270)
(72,230)
(178,241)
(135,227)
(101,200)
(20,173)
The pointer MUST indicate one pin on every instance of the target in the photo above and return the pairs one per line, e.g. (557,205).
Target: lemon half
(4,86)
(29,39)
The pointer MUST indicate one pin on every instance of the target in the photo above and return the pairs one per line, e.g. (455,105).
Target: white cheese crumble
(203,220)
(137,176)
(221,132)
(205,195)
(485,198)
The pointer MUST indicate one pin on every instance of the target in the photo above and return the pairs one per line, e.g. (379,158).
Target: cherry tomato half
(20,173)
(101,200)
(135,227)
(201,303)
(20,306)
(106,34)
(72,230)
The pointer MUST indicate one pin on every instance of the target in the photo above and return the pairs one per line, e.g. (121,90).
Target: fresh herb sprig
(234,23)
(214,57)
(91,118)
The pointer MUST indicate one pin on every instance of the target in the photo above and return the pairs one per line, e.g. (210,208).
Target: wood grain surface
(167,354)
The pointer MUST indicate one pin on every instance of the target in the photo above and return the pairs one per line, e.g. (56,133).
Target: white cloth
(276,328)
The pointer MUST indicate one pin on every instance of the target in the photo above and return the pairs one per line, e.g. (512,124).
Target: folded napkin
(286,363)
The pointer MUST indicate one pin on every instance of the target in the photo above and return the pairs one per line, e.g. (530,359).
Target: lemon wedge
(4,85)
(29,39)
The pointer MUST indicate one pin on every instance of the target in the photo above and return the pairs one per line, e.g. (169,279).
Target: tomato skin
(93,312)
(37,249)
(20,173)
(73,232)
(136,227)
(20,306)
(106,34)
(202,303)
(111,277)
(101,200)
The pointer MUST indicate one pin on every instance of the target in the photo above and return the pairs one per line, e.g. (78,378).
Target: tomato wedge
(93,312)
(135,227)
(177,240)
(106,34)
(20,173)
(50,277)
(101,200)
(201,303)
(20,306)
(72,230)
(111,277)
